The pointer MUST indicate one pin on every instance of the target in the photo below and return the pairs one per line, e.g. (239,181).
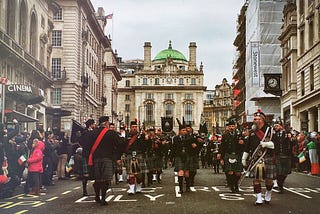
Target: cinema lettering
(20,88)
(26,93)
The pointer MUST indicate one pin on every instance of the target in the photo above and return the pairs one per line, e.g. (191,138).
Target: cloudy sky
(209,23)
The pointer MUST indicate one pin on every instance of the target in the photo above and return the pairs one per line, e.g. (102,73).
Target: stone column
(310,120)
(192,56)
(318,107)
(147,56)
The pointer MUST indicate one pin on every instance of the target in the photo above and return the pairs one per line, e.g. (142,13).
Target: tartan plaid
(104,169)
(180,164)
(270,167)
(154,162)
(233,167)
(283,165)
(194,163)
(141,163)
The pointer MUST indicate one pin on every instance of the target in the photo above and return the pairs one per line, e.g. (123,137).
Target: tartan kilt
(194,163)
(270,170)
(141,164)
(180,164)
(283,165)
(233,167)
(104,169)
(154,162)
(85,169)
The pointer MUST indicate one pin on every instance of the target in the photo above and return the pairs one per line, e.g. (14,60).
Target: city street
(302,192)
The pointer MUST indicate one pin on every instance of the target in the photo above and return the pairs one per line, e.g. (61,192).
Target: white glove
(123,134)
(268,144)
(15,121)
(244,158)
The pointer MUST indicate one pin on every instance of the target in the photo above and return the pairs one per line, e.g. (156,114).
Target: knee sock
(84,185)
(187,182)
(257,188)
(96,187)
(192,174)
(180,180)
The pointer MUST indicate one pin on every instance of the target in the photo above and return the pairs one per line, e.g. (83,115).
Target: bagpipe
(257,158)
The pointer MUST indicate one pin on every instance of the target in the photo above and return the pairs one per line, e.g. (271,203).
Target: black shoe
(267,202)
(258,204)
(103,202)
(85,194)
(97,199)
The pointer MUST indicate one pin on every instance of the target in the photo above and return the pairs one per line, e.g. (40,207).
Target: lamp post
(120,118)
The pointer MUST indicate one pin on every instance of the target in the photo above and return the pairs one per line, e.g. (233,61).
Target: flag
(301,157)
(209,136)
(22,159)
(109,16)
(68,167)
(76,131)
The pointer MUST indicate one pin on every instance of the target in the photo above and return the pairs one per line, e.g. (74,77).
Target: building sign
(19,88)
(255,63)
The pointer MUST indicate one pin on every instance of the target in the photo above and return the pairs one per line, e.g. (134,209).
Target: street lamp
(120,118)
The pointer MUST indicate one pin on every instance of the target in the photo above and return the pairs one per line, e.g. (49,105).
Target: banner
(76,131)
(301,157)
(255,63)
(167,124)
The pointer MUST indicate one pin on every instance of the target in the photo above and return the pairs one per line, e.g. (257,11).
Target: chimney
(192,56)
(147,56)
(100,15)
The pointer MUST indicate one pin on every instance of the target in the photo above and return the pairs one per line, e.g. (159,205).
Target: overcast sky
(209,23)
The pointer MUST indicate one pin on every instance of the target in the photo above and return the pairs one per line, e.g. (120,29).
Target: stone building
(222,105)
(25,58)
(300,63)
(208,109)
(83,65)
(167,86)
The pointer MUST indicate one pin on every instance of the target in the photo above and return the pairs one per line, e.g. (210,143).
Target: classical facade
(25,58)
(208,109)
(222,105)
(83,65)
(288,61)
(167,86)
(306,108)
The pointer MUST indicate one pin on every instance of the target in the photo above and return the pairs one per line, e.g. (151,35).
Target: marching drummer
(265,170)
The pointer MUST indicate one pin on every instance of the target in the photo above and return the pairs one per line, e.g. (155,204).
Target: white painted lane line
(39,204)
(295,192)
(51,199)
(66,192)
(77,188)
(178,195)
(22,211)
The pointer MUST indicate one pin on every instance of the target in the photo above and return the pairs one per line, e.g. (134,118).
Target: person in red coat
(35,168)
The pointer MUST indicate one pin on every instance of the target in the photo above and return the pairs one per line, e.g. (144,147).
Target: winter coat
(36,158)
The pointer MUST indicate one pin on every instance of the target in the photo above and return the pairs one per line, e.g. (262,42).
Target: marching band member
(267,170)
(180,154)
(231,152)
(283,148)
(136,160)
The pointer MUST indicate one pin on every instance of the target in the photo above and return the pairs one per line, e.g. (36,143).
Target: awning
(58,112)
(26,93)
(12,114)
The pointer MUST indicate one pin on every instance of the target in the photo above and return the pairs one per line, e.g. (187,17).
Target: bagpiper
(266,170)
(135,150)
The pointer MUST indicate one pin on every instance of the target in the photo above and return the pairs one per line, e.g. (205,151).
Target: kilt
(283,165)
(180,164)
(154,162)
(233,167)
(104,169)
(194,163)
(141,164)
(270,170)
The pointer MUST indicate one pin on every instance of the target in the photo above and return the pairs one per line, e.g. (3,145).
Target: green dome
(173,54)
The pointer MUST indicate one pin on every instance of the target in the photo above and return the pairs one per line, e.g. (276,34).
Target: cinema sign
(27,93)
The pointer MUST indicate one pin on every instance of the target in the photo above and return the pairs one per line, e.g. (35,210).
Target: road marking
(178,195)
(66,192)
(22,211)
(153,198)
(295,192)
(77,188)
(51,199)
(39,204)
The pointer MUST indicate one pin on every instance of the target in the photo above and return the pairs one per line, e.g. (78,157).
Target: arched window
(149,112)
(11,17)
(33,35)
(188,113)
(169,110)
(127,83)
(23,25)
